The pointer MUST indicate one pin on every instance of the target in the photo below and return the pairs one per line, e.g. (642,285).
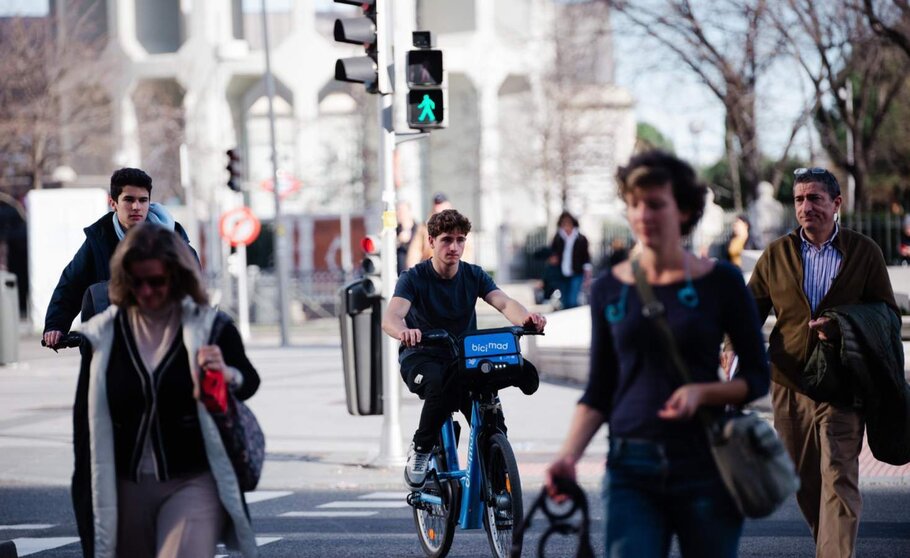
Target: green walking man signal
(426,109)
(427,105)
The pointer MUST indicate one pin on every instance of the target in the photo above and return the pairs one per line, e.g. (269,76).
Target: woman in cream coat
(161,482)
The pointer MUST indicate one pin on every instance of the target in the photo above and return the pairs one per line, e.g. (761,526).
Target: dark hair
(567,215)
(822,176)
(149,241)
(656,168)
(129,177)
(742,217)
(448,221)
(439,198)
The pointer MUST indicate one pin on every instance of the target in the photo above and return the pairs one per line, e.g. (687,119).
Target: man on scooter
(130,200)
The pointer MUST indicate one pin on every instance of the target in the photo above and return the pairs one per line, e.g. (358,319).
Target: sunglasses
(153,281)
(814,170)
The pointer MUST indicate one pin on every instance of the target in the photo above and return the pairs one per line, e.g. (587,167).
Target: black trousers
(435,380)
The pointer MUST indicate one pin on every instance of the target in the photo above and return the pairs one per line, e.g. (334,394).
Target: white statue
(766,215)
(709,228)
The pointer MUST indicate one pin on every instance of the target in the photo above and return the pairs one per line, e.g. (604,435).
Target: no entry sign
(239,226)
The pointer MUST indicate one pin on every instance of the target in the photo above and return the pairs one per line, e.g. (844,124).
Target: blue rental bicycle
(487,493)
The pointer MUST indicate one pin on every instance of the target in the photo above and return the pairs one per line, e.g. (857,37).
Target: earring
(617,311)
(688,296)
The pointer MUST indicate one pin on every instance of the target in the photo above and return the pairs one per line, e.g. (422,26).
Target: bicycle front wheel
(502,495)
(436,523)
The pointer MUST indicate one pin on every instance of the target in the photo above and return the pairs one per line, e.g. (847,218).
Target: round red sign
(239,226)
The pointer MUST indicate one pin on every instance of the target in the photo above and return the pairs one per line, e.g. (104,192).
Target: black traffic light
(426,80)
(359,31)
(233,168)
(371,266)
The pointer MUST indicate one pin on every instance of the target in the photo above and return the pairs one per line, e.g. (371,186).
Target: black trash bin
(361,347)
(9,318)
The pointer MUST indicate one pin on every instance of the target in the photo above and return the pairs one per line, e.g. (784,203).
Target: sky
(685,111)
(23,7)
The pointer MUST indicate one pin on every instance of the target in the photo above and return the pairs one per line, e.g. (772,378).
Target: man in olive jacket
(818,266)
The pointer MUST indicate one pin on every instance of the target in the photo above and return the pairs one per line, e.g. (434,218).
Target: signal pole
(391,452)
(280,236)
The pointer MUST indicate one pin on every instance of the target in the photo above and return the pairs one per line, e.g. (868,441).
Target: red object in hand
(214,391)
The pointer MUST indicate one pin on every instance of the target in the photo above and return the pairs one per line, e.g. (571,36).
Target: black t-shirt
(438,303)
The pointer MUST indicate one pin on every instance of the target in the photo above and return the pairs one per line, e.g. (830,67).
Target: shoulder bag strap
(654,310)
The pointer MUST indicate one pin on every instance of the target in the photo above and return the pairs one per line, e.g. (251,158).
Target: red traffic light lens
(369,245)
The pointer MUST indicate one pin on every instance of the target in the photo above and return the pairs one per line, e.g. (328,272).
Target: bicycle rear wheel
(503,507)
(436,523)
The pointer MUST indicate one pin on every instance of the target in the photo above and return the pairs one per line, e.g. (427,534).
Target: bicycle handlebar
(438,336)
(68,341)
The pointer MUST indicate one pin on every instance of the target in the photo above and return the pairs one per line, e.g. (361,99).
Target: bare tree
(728,45)
(556,126)
(159,107)
(891,20)
(40,94)
(855,74)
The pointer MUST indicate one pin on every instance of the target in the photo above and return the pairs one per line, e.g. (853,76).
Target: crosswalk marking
(352,513)
(28,545)
(384,496)
(26,526)
(364,504)
(263,495)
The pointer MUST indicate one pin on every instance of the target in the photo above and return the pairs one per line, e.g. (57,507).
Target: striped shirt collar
(808,244)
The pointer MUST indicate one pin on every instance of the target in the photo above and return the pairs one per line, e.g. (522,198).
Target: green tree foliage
(649,137)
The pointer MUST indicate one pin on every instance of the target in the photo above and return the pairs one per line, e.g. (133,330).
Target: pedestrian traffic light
(360,31)
(426,80)
(233,168)
(371,265)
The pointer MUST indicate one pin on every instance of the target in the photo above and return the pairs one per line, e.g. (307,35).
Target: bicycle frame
(470,478)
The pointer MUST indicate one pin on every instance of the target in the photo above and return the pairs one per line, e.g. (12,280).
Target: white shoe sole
(411,485)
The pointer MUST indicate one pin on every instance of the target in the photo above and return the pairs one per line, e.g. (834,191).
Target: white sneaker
(415,472)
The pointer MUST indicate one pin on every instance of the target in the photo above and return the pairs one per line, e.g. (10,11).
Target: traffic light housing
(363,30)
(233,168)
(426,79)
(371,266)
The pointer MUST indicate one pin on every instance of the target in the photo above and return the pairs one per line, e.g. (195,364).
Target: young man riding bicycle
(441,293)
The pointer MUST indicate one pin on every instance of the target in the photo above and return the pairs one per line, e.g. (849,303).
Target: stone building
(535,121)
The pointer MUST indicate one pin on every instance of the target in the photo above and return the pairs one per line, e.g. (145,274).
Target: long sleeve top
(632,375)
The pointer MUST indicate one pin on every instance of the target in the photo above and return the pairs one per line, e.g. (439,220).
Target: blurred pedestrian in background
(740,240)
(661,478)
(405,233)
(570,254)
(161,483)
(420,249)
(905,240)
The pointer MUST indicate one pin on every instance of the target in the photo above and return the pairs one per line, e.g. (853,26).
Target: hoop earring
(687,295)
(617,311)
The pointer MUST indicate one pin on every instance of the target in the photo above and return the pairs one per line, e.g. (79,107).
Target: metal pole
(851,180)
(391,452)
(280,236)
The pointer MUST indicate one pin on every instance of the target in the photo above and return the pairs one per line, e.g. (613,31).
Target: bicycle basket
(491,359)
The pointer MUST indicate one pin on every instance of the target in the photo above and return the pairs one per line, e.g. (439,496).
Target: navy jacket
(90,265)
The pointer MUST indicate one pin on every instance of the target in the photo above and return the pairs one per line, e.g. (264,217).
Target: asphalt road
(378,524)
